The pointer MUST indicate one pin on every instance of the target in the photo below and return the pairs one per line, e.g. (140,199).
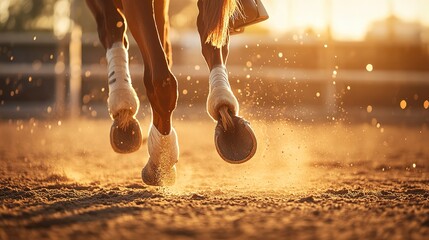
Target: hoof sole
(126,140)
(236,145)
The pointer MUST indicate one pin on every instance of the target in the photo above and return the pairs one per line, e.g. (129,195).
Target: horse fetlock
(163,149)
(164,154)
(121,101)
(220,94)
(219,98)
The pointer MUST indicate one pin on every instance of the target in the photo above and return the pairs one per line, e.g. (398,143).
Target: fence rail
(71,72)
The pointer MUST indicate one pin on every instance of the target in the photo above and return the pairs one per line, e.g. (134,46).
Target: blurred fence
(41,76)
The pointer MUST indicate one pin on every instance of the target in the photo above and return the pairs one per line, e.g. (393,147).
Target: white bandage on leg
(122,95)
(163,149)
(220,93)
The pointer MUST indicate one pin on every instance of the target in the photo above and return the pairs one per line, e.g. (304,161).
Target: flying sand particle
(426,104)
(369,67)
(403,104)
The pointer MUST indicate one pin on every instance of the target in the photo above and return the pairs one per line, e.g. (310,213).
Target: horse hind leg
(212,22)
(234,139)
(108,18)
(123,103)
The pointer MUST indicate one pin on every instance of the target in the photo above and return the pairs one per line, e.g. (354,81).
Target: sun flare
(347,20)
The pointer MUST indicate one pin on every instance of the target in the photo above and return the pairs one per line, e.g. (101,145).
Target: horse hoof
(128,139)
(235,145)
(158,176)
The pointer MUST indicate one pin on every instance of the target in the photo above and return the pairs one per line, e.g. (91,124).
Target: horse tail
(216,15)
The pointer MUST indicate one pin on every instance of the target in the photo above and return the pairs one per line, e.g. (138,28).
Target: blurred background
(313,60)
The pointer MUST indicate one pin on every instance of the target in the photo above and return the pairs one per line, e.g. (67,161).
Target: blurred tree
(24,15)
(37,15)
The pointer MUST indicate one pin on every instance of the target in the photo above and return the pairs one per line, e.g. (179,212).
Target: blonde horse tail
(216,16)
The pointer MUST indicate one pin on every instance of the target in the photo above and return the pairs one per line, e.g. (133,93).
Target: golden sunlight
(347,20)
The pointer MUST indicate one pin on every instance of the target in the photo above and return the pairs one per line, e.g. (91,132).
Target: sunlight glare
(403,104)
(426,104)
(348,20)
(4,10)
(62,20)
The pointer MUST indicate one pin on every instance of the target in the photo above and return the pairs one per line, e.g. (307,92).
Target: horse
(148,22)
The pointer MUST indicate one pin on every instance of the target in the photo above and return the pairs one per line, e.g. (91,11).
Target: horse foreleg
(161,85)
(163,25)
(161,89)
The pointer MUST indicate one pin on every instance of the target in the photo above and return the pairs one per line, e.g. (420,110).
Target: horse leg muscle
(213,55)
(221,99)
(111,25)
(161,85)
(163,24)
(123,103)
(161,88)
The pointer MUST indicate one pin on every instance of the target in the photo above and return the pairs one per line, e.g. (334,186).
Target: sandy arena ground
(61,180)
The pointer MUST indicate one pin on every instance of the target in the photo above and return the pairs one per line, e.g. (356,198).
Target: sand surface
(61,180)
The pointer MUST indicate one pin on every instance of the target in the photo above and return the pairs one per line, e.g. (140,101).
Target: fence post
(75,84)
(326,63)
(60,79)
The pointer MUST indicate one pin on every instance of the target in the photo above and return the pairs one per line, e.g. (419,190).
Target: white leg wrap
(220,93)
(122,95)
(163,149)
